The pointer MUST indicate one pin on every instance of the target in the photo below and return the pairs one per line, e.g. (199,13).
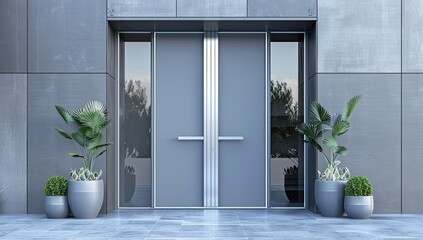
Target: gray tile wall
(13,142)
(412,138)
(13,40)
(47,150)
(364,37)
(71,56)
(282,8)
(359,36)
(212,8)
(67,36)
(374,140)
(141,8)
(412,35)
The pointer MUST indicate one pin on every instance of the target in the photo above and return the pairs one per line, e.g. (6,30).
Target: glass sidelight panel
(286,87)
(135,123)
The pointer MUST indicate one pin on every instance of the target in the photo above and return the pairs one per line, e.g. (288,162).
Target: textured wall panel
(13,36)
(412,139)
(13,143)
(47,150)
(212,8)
(67,36)
(282,8)
(141,8)
(374,140)
(412,35)
(359,36)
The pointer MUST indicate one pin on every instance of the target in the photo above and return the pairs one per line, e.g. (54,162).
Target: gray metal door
(179,111)
(210,120)
(242,108)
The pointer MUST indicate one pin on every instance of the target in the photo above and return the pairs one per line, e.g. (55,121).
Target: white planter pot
(56,206)
(329,197)
(85,198)
(359,207)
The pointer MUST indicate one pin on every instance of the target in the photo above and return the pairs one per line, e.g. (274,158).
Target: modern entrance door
(210,120)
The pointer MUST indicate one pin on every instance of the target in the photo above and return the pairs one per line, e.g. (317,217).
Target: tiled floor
(212,224)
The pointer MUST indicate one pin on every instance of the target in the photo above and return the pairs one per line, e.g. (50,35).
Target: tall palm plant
(91,121)
(324,129)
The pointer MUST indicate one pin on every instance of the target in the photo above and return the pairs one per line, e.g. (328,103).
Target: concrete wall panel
(212,8)
(412,35)
(282,8)
(374,140)
(359,36)
(13,36)
(47,150)
(67,36)
(141,8)
(13,143)
(412,139)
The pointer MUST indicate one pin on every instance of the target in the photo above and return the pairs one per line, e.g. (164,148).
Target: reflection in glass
(135,171)
(286,184)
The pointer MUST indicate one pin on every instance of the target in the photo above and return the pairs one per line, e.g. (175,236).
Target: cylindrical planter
(56,206)
(330,197)
(358,207)
(85,198)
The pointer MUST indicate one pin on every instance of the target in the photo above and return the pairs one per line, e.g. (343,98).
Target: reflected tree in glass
(284,119)
(137,140)
(137,113)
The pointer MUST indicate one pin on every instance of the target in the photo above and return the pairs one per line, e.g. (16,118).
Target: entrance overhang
(220,24)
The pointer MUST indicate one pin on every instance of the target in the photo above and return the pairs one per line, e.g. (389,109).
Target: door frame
(267,116)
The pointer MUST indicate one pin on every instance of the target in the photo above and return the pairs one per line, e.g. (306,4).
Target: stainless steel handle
(190,138)
(231,138)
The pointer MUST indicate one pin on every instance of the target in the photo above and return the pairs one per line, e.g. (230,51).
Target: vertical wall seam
(27,107)
(401,187)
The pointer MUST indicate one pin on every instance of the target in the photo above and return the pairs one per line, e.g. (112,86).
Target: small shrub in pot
(358,201)
(56,203)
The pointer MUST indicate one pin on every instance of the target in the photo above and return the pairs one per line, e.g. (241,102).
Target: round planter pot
(56,206)
(358,207)
(330,197)
(85,198)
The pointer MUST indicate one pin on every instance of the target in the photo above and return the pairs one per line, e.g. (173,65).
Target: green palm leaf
(349,108)
(63,133)
(340,127)
(92,115)
(330,142)
(319,115)
(341,150)
(312,132)
(75,155)
(64,113)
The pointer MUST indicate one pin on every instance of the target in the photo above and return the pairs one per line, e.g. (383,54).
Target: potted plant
(323,130)
(85,193)
(56,202)
(358,201)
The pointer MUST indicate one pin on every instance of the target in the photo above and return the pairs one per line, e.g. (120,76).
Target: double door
(210,120)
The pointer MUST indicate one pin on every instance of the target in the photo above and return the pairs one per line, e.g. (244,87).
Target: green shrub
(358,186)
(56,186)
